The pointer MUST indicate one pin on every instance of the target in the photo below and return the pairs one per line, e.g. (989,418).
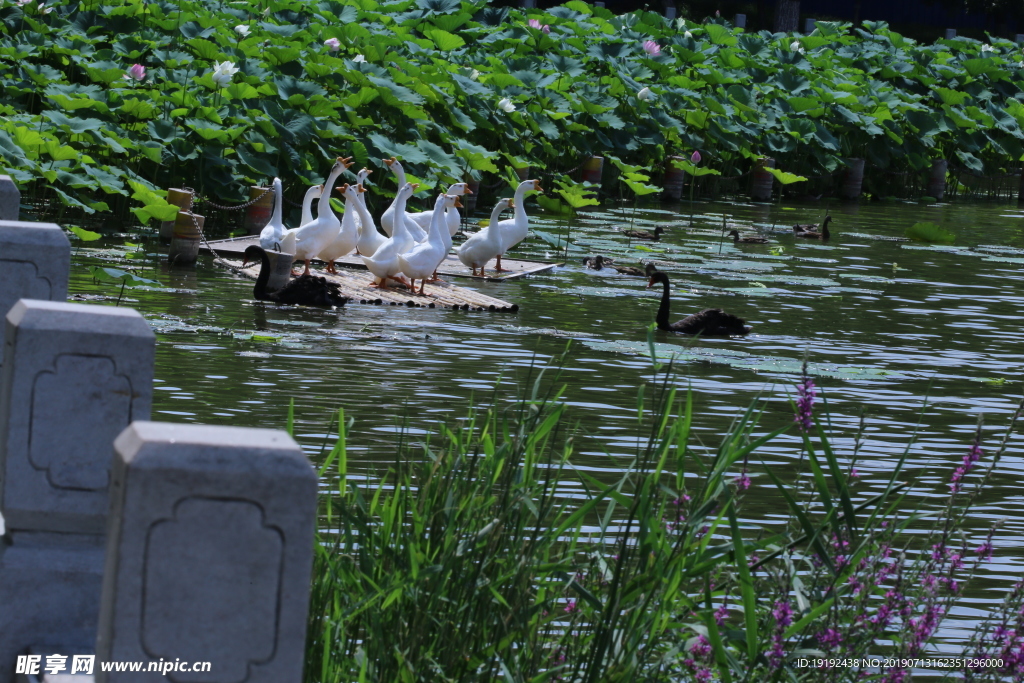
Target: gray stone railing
(126,541)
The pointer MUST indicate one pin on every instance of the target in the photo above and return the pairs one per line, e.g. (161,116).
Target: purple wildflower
(570,607)
(967,464)
(805,402)
(783,615)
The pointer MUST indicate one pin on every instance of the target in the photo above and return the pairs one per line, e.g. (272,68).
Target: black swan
(644,234)
(709,322)
(304,290)
(736,239)
(809,232)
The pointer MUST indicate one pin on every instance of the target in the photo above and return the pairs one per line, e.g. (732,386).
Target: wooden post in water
(590,172)
(937,179)
(185,242)
(761,181)
(853,179)
(182,199)
(672,186)
(1020,188)
(258,215)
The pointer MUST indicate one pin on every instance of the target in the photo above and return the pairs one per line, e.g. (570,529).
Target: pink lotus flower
(536,24)
(652,48)
(333,44)
(695,157)
(136,73)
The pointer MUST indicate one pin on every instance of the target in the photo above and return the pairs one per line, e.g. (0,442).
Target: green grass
(467,561)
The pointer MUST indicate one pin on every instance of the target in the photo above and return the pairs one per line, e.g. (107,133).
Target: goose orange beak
(367,171)
(361,188)
(414,186)
(536,186)
(466,190)
(458,204)
(511,204)
(389,161)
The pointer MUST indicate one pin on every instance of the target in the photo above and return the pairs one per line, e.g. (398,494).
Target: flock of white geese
(413,245)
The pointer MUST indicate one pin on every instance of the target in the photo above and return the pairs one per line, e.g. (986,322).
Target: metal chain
(249,203)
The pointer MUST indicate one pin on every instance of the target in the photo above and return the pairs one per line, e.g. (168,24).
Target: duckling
(644,234)
(736,239)
(809,232)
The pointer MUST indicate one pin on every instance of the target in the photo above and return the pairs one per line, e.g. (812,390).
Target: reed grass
(467,561)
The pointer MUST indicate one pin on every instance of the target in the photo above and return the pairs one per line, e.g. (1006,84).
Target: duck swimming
(644,234)
(809,232)
(750,239)
(709,322)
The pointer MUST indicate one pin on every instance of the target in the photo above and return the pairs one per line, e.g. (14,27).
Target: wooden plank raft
(356,286)
(451,266)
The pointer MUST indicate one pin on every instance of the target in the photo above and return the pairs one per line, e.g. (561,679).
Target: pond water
(919,340)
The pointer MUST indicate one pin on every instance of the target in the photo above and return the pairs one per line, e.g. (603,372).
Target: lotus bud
(333,44)
(695,157)
(506,105)
(644,94)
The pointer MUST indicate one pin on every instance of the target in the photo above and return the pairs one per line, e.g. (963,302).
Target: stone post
(950,33)
(10,199)
(209,554)
(35,259)
(181,198)
(75,376)
(809,25)
(184,249)
(740,21)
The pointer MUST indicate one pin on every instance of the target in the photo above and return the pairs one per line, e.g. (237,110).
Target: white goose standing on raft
(312,237)
(485,244)
(421,219)
(385,261)
(421,262)
(515,229)
(271,235)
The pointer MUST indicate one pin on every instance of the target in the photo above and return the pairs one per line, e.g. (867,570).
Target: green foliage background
(429,81)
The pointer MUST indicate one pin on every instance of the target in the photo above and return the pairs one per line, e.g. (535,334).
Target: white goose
(385,261)
(369,239)
(344,240)
(270,236)
(422,260)
(312,237)
(484,245)
(421,219)
(307,203)
(360,179)
(451,205)
(514,230)
(387,221)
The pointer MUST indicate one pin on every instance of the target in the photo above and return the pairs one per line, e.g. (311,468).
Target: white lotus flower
(986,48)
(687,34)
(223,72)
(505,104)
(644,94)
(475,75)
(795,46)
(242,30)
(359,58)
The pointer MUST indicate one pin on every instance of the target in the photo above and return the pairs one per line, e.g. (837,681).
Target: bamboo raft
(355,284)
(451,266)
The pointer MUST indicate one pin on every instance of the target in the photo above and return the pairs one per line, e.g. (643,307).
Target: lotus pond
(916,340)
